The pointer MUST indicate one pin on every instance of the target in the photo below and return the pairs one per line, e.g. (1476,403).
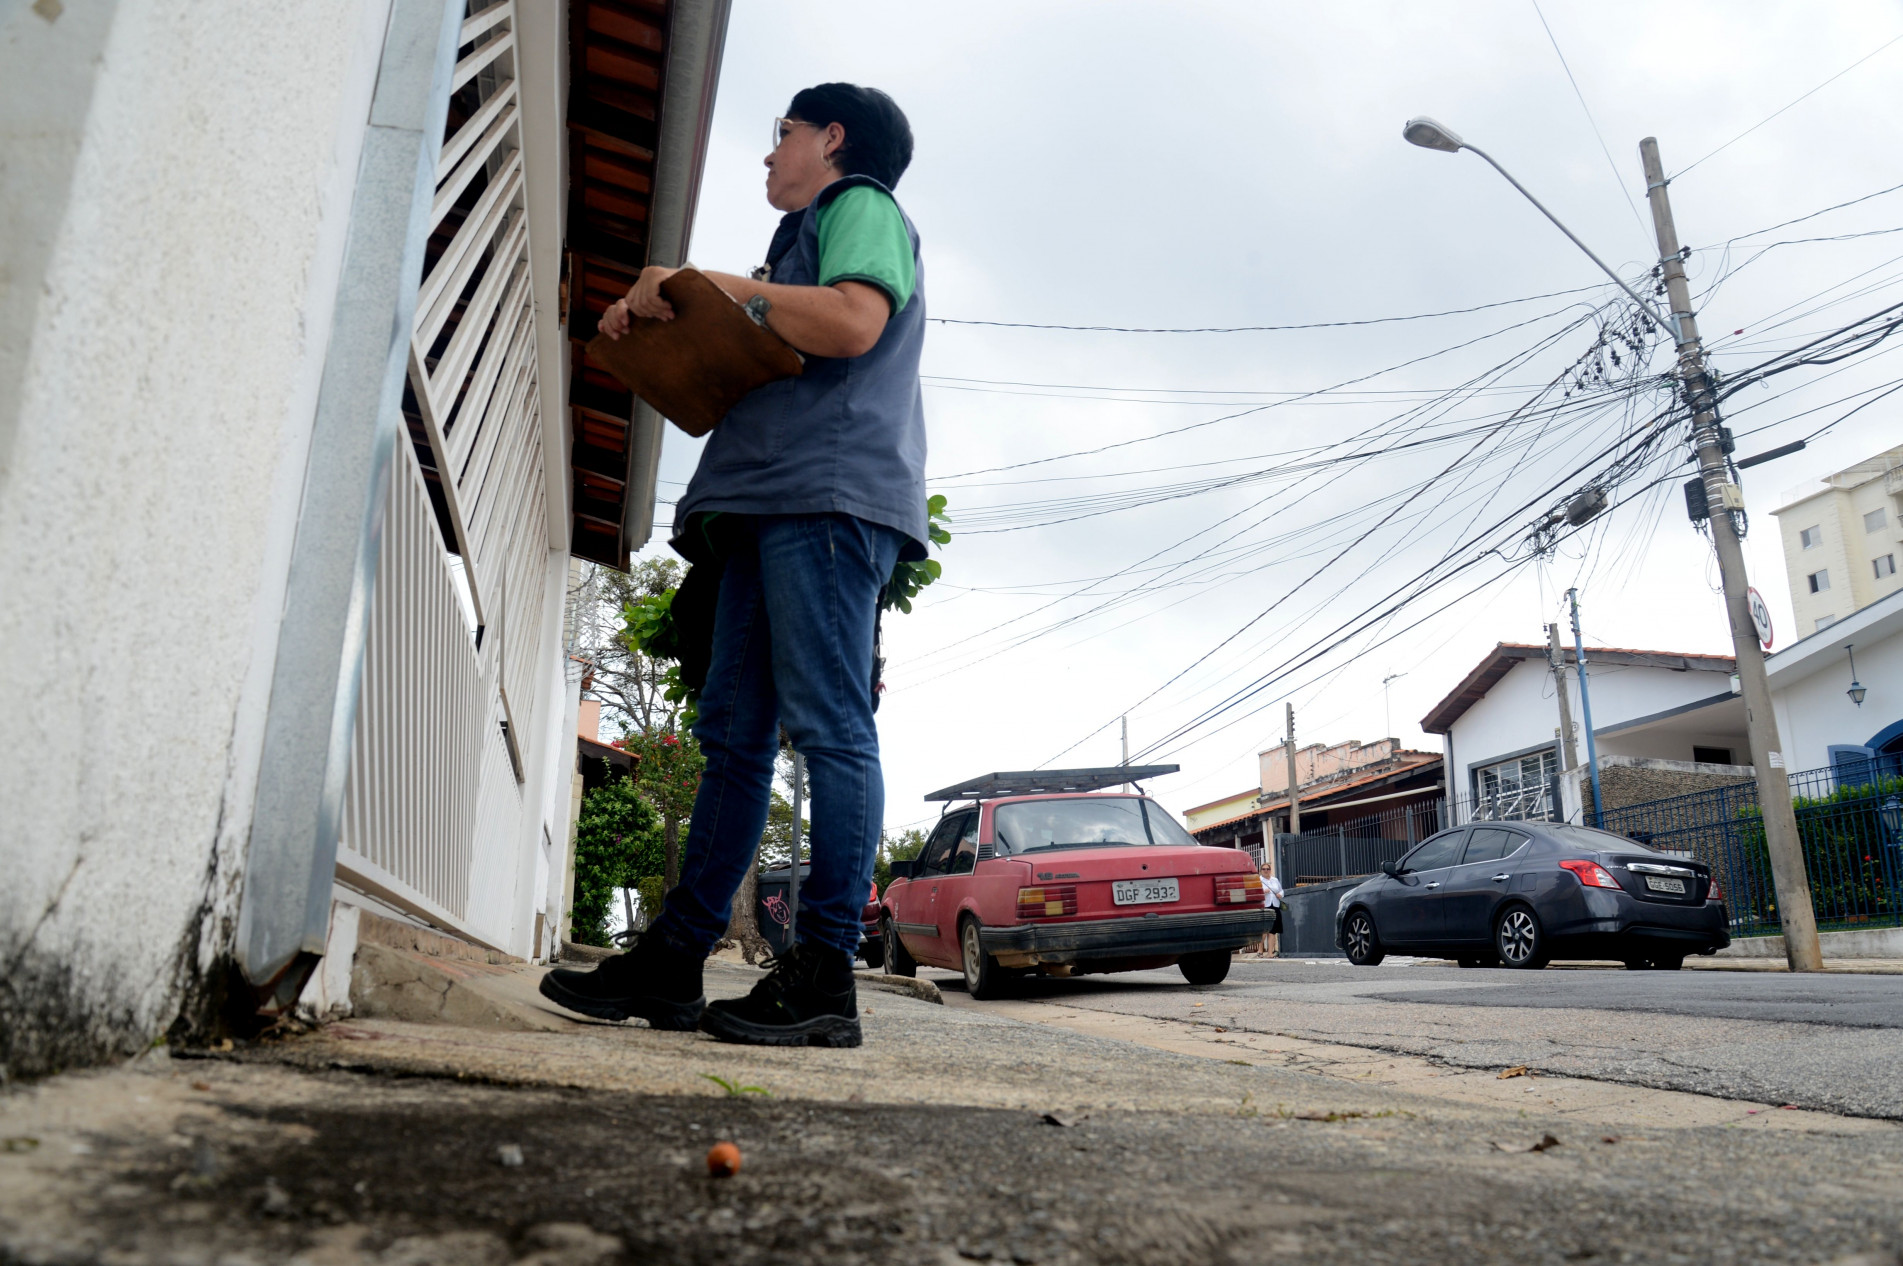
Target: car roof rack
(1035,781)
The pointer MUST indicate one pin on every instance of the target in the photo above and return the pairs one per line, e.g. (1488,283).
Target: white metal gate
(435,815)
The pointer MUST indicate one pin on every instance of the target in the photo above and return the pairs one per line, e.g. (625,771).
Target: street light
(1857,690)
(1428,134)
(1795,910)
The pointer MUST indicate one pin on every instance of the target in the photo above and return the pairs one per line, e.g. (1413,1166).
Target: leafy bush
(1852,864)
(618,839)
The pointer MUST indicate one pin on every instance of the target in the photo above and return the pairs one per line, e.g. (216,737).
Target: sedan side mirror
(1391,869)
(902,869)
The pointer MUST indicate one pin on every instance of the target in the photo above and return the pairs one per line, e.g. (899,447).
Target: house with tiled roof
(1664,723)
(1335,784)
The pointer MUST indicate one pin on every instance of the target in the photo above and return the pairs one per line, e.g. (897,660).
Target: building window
(1824,622)
(1811,537)
(1885,566)
(1874,521)
(1517,788)
(1712,755)
(1819,580)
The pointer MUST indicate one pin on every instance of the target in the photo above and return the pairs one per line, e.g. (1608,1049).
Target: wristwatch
(758,307)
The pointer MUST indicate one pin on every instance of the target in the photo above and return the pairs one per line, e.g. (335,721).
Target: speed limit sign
(1760,616)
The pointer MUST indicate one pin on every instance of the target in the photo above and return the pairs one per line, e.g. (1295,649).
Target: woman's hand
(642,300)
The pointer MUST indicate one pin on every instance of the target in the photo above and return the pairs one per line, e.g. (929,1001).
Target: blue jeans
(793,647)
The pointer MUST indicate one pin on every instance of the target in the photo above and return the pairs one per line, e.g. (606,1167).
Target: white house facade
(1822,723)
(1654,710)
(297,440)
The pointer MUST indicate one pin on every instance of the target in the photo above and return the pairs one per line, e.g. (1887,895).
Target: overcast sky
(1175,165)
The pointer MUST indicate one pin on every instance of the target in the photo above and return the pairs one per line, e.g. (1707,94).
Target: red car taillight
(1715,893)
(1239,890)
(1047,902)
(1591,874)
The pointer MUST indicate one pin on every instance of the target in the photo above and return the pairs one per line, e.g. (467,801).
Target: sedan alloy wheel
(1518,939)
(1364,944)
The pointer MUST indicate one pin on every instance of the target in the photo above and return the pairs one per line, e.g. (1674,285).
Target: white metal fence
(436,818)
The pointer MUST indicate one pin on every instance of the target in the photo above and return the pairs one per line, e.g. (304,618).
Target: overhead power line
(1774,114)
(1261,329)
(1594,123)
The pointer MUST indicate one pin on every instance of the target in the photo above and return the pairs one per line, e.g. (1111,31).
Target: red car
(1041,873)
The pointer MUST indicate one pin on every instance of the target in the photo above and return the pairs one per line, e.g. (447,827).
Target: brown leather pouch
(696,367)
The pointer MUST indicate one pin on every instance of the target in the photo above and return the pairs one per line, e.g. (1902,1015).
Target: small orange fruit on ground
(723,1160)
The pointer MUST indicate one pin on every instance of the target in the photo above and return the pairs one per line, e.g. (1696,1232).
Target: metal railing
(1849,826)
(1359,846)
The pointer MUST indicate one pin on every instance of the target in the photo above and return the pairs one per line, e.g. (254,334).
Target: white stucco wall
(1521,712)
(1809,682)
(149,497)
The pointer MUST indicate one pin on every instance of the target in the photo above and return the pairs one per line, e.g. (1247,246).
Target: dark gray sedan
(1520,894)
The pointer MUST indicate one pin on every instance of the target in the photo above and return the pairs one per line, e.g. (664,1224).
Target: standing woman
(807,494)
(1271,900)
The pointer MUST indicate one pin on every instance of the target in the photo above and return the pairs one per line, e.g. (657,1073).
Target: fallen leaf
(201,1085)
(1518,1070)
(1610,1138)
(1541,1146)
(1061,1118)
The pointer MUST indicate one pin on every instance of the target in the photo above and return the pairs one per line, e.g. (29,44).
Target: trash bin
(775,910)
(1308,919)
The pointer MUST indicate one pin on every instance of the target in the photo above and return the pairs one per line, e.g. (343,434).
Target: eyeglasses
(782,126)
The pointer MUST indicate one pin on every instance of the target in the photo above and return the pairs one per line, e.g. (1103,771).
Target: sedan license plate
(1144,892)
(1656,884)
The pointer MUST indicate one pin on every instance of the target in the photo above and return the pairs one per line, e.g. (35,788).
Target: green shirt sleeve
(862,237)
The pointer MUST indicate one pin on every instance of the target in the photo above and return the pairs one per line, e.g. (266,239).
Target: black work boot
(652,980)
(808,998)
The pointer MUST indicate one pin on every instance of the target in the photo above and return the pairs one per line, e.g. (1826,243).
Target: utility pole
(1294,799)
(793,880)
(1774,788)
(1585,706)
(1569,743)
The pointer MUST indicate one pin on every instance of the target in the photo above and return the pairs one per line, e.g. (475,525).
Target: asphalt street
(1859,1002)
(1823,1042)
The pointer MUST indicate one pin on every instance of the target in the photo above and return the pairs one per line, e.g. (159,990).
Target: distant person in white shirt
(1271,900)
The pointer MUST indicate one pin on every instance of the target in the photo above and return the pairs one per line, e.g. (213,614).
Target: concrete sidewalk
(953,1135)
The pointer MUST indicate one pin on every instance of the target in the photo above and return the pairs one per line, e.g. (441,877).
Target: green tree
(618,839)
(896,848)
(667,768)
(636,690)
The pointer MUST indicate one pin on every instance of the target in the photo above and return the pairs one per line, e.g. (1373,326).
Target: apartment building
(1843,541)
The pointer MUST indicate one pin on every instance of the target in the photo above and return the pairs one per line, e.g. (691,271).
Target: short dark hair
(878,136)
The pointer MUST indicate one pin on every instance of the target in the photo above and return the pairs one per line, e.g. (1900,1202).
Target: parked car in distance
(871,944)
(1045,872)
(1520,894)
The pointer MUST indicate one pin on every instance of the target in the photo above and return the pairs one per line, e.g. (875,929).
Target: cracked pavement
(1062,1127)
